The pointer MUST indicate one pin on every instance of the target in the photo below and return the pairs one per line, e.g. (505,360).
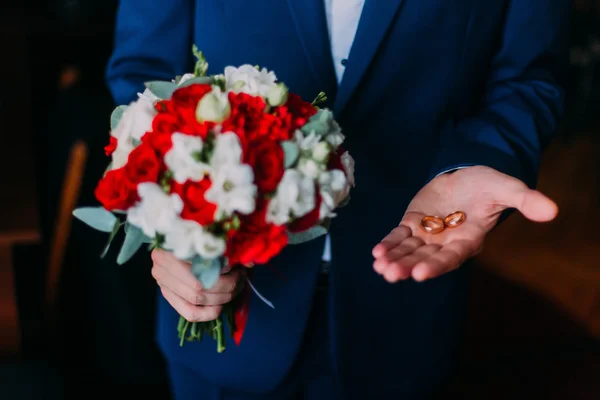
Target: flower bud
(277,95)
(214,107)
(320,152)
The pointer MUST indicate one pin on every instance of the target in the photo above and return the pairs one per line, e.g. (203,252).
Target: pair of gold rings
(432,224)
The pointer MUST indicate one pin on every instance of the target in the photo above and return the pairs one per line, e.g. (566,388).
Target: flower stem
(220,335)
(183,333)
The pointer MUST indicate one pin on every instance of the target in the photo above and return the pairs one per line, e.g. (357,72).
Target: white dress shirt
(342,21)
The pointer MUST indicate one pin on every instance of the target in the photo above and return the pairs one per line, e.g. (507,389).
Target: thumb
(533,204)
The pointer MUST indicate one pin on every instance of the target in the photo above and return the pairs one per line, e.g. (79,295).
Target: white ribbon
(260,296)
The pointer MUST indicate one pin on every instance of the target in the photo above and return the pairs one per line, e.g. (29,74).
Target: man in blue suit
(446,105)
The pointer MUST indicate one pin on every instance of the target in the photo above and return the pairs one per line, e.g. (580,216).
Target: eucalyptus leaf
(162,89)
(96,217)
(291,152)
(207,271)
(133,241)
(112,236)
(320,123)
(199,80)
(306,236)
(116,115)
(129,227)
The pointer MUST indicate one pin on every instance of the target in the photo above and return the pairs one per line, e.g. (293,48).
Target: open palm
(482,194)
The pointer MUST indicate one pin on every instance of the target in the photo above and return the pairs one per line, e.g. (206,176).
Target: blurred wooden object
(68,200)
(558,260)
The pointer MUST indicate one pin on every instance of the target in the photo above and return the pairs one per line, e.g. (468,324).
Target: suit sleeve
(522,102)
(153,41)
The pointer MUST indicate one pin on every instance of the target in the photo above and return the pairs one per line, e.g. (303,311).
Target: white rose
(134,123)
(156,212)
(277,95)
(214,107)
(233,190)
(227,151)
(348,163)
(208,245)
(310,168)
(321,151)
(248,79)
(295,197)
(181,159)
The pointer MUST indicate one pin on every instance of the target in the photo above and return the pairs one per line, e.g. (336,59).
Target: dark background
(521,342)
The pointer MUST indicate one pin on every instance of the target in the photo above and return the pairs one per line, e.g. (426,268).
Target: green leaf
(320,123)
(96,217)
(200,80)
(116,115)
(128,228)
(133,241)
(302,237)
(111,238)
(162,89)
(207,271)
(291,151)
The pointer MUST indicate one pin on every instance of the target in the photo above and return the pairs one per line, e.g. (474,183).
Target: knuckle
(156,256)
(198,299)
(214,312)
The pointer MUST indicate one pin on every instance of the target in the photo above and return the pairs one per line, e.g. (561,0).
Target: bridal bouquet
(224,171)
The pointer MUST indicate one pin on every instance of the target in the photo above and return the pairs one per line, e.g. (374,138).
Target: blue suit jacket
(429,85)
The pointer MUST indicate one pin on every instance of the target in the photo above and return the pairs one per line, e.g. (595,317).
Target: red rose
(300,109)
(111,146)
(256,241)
(161,143)
(189,96)
(114,191)
(166,123)
(309,220)
(195,207)
(335,162)
(266,157)
(143,165)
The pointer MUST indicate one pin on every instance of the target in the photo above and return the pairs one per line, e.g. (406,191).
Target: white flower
(148,95)
(186,78)
(307,143)
(277,95)
(227,151)
(310,167)
(180,238)
(214,107)
(157,212)
(208,245)
(187,238)
(335,138)
(295,197)
(182,158)
(333,188)
(233,190)
(134,123)
(320,152)
(348,163)
(248,79)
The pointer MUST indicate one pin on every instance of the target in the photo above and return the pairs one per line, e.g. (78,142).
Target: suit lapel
(311,25)
(375,21)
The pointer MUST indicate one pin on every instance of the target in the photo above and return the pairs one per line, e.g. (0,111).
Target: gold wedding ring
(432,224)
(455,219)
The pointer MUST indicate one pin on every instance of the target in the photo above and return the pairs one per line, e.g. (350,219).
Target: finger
(190,312)
(179,269)
(391,240)
(534,205)
(448,258)
(403,249)
(193,295)
(401,268)
(230,282)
